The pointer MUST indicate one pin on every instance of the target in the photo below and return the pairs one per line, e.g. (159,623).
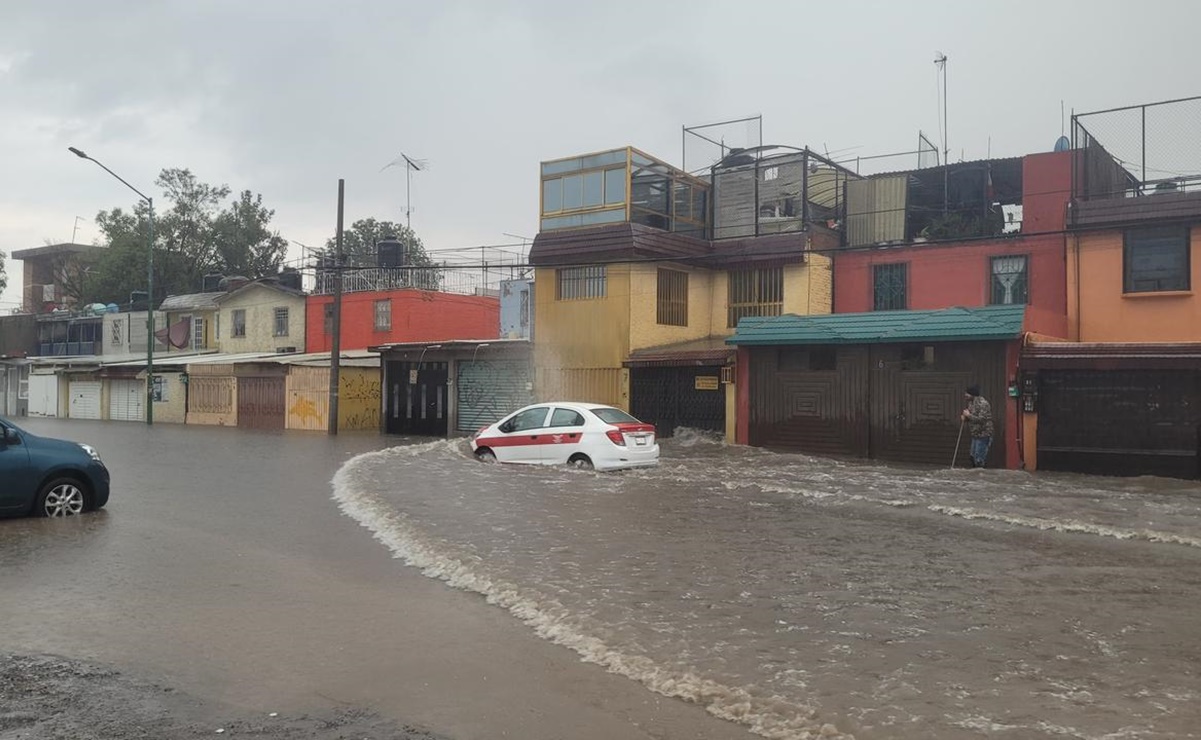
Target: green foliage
(3,275)
(194,235)
(358,242)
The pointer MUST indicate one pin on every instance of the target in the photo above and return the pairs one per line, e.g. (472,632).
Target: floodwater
(805,597)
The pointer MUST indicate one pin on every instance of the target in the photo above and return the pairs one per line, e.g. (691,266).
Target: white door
(85,399)
(565,433)
(521,436)
(126,400)
(43,395)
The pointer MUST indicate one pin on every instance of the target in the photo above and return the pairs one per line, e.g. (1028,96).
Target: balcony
(1137,164)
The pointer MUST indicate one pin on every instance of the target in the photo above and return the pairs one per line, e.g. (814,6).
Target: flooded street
(803,597)
(221,585)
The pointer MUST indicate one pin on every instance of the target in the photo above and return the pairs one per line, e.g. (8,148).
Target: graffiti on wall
(359,401)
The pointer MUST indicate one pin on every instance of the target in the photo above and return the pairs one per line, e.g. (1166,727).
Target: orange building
(1124,396)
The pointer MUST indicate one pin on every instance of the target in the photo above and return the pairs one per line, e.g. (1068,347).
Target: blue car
(48,477)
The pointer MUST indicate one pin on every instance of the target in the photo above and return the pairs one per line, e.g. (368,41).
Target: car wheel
(61,497)
(580,462)
(485,455)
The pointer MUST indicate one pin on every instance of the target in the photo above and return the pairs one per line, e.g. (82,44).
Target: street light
(149,285)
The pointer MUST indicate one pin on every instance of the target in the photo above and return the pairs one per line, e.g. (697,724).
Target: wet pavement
(804,597)
(223,570)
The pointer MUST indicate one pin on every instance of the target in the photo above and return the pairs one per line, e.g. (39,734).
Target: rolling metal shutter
(489,390)
(85,399)
(126,400)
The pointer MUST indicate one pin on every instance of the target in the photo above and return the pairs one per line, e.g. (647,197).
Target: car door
(16,470)
(564,432)
(522,436)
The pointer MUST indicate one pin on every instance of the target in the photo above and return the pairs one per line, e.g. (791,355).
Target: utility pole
(335,356)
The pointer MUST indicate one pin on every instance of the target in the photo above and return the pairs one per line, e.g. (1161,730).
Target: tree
(245,246)
(358,242)
(193,237)
(3,276)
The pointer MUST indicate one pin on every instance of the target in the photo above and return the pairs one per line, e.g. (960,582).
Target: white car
(584,435)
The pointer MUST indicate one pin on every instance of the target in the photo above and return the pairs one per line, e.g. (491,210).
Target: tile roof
(877,327)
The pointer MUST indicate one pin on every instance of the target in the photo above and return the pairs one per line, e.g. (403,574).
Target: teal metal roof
(877,327)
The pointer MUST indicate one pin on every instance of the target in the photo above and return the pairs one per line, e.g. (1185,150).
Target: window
(594,188)
(115,334)
(1156,260)
(576,283)
(239,320)
(534,418)
(1010,280)
(566,418)
(889,287)
(615,186)
(613,416)
(755,293)
(198,338)
(672,308)
(383,315)
(329,319)
(281,322)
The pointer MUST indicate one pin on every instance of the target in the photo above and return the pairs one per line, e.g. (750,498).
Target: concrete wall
(945,275)
(645,329)
(174,408)
(417,316)
(1099,311)
(582,343)
(259,302)
(210,328)
(125,333)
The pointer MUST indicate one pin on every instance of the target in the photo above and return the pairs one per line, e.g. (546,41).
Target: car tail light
(616,437)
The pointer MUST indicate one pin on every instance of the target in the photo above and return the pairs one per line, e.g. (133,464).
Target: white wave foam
(1073,526)
(771,717)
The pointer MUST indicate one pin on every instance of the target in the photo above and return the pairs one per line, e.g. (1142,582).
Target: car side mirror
(506,427)
(11,437)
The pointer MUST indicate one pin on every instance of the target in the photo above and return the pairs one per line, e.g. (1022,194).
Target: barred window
(672,304)
(239,320)
(889,287)
(383,315)
(755,293)
(577,283)
(1010,280)
(281,322)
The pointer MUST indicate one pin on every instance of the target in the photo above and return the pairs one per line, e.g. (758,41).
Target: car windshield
(613,416)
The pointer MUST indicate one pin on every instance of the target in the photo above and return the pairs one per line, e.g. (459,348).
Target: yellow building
(633,300)
(191,322)
(261,316)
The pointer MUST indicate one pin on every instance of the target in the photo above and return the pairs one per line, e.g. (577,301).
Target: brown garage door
(261,403)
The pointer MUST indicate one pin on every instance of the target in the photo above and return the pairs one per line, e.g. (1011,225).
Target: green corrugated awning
(877,327)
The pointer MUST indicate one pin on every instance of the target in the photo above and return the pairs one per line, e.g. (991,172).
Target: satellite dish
(1062,144)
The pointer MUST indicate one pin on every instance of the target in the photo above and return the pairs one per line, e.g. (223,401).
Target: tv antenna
(410,164)
(940,62)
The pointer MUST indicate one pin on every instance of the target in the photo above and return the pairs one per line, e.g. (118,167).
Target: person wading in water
(978,416)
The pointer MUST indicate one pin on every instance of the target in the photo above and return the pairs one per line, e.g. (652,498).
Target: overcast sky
(284,97)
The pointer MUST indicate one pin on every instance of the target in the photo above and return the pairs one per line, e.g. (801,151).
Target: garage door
(490,390)
(675,397)
(43,395)
(85,400)
(262,402)
(1120,422)
(126,400)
